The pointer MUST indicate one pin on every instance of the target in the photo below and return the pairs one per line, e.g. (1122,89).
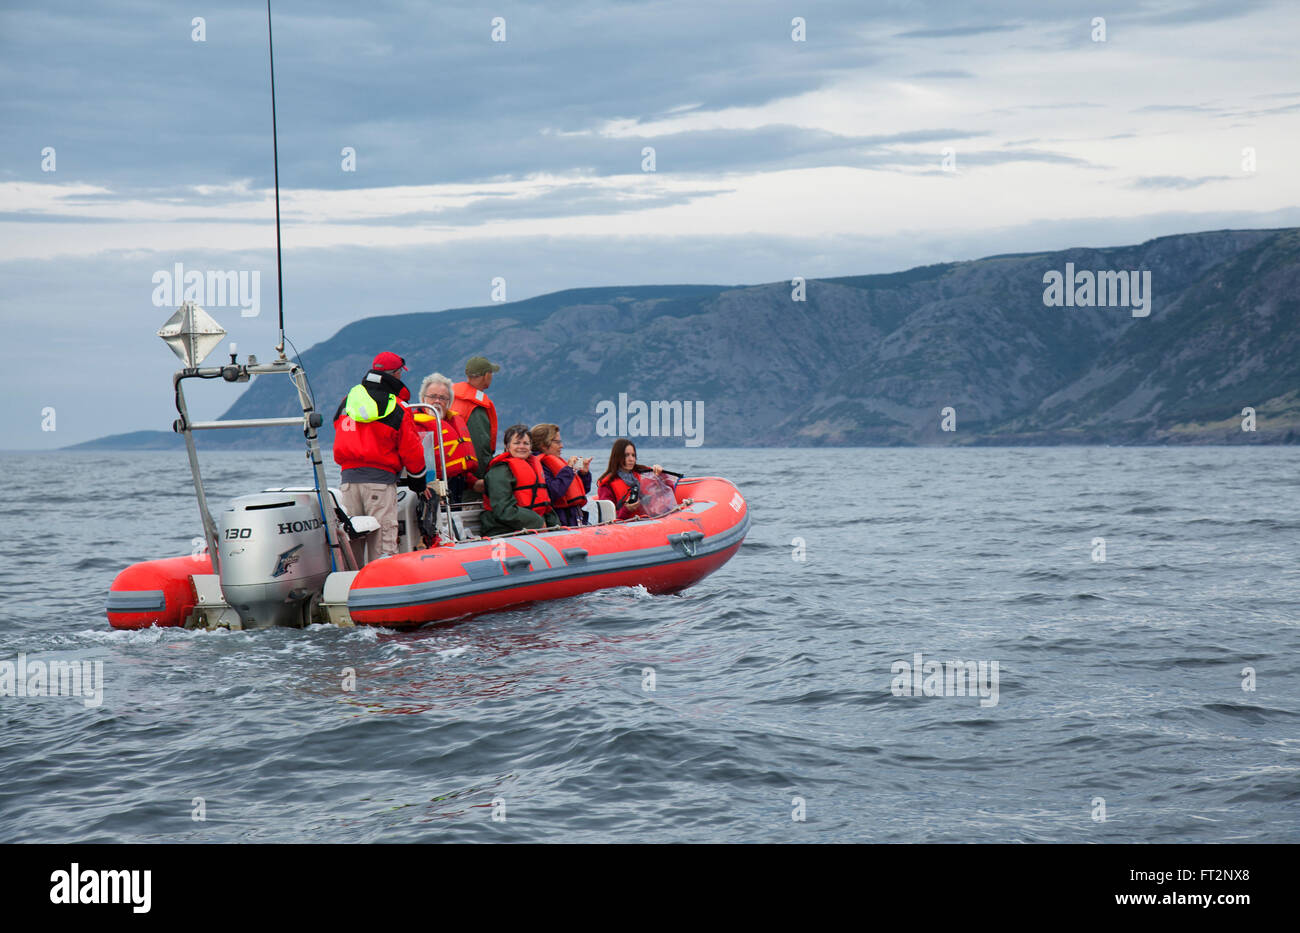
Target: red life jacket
(465,398)
(456,445)
(529,482)
(575,496)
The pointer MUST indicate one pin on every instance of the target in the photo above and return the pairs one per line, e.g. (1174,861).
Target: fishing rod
(275,149)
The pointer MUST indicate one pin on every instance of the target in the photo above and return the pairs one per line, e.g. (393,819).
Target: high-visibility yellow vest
(360,405)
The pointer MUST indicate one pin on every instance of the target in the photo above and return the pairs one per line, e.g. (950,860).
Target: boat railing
(309,421)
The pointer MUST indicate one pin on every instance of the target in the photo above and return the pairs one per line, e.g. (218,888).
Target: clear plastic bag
(656,495)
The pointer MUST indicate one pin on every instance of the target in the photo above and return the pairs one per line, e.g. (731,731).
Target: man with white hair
(457,446)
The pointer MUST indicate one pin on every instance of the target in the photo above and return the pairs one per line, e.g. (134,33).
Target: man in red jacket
(374,438)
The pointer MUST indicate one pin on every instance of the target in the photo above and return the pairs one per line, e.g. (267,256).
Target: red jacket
(615,490)
(389,441)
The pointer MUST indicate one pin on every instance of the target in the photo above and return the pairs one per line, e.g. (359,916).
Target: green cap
(479,366)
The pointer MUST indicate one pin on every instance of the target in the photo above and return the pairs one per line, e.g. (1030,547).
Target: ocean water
(759,706)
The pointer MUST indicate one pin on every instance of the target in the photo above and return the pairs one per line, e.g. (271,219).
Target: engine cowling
(274,557)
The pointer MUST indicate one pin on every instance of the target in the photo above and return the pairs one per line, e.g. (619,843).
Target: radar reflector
(192,334)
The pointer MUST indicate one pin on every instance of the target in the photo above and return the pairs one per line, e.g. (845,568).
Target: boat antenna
(275,149)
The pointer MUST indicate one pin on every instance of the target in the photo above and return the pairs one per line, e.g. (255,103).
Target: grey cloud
(1023,155)
(1176,182)
(1065,105)
(41,217)
(1185,14)
(1160,108)
(688,155)
(571,200)
(1286,108)
(770,147)
(986,158)
(952,32)
(422,94)
(164,194)
(419,91)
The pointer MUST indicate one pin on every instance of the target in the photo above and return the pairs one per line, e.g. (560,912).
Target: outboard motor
(274,557)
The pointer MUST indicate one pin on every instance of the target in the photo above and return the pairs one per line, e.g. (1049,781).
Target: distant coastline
(1203,350)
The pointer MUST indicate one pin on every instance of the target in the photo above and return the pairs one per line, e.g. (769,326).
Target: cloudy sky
(895,134)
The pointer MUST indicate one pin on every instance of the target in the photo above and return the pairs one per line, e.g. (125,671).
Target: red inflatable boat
(663,554)
(287,556)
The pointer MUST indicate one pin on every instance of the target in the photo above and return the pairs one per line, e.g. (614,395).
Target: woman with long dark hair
(620,483)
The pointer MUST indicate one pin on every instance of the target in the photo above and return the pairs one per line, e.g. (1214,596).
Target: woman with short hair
(567,480)
(515,496)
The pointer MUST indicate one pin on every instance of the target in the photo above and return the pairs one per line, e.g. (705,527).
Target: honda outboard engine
(274,557)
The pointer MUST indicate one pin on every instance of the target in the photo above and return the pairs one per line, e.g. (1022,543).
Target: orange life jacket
(530,483)
(465,398)
(575,496)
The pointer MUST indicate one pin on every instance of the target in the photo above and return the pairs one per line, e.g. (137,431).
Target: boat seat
(600,511)
(465,519)
(361,524)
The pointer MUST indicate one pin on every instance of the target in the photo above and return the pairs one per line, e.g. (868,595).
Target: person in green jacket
(516,488)
(470,401)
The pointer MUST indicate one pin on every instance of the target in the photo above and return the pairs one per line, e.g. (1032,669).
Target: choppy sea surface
(758,706)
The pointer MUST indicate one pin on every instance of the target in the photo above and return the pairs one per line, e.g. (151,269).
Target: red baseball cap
(390,363)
